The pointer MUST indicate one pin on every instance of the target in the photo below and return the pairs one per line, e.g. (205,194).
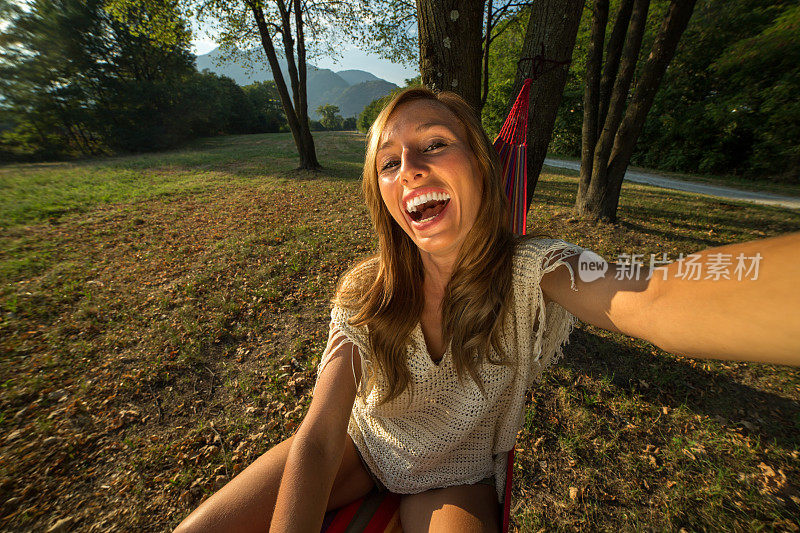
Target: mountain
(354,77)
(355,98)
(350,90)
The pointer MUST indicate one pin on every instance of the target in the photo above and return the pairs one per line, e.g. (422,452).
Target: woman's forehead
(419,114)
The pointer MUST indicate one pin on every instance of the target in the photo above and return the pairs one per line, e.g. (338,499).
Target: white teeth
(411,205)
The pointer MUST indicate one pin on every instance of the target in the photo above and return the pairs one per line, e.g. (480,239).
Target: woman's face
(428,176)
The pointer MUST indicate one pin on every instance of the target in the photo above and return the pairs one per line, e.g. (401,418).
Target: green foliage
(729,107)
(384,27)
(727,104)
(503,54)
(371,111)
(331,120)
(102,76)
(266,103)
(213,105)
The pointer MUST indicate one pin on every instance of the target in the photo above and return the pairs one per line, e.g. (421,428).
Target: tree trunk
(591,93)
(552,28)
(613,55)
(309,159)
(297,118)
(619,136)
(450,36)
(487,40)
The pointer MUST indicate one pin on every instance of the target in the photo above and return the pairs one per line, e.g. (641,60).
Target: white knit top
(450,434)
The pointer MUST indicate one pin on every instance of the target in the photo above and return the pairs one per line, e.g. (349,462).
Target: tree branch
(487,42)
(619,95)
(591,93)
(613,54)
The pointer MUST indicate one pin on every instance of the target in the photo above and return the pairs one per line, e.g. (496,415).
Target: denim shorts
(489,480)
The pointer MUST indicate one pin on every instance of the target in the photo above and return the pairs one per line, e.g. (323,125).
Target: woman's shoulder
(530,250)
(357,280)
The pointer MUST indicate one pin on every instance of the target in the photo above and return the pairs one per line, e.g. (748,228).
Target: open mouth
(427,207)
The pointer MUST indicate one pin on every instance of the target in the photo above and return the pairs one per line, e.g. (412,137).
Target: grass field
(163,315)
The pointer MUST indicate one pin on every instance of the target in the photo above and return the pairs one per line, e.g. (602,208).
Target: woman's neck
(438,271)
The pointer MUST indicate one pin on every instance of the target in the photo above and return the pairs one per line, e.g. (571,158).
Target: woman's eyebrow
(424,126)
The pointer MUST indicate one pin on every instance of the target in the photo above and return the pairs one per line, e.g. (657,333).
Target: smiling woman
(435,340)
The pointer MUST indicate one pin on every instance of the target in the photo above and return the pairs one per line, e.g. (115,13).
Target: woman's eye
(393,162)
(434,145)
(389,164)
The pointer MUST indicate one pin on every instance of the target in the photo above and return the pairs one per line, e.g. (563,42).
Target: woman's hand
(318,446)
(752,319)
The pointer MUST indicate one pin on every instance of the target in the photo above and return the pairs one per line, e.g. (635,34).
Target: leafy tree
(449,39)
(386,27)
(267,104)
(765,70)
(725,105)
(502,71)
(251,24)
(372,109)
(611,124)
(331,120)
(212,105)
(706,118)
(76,79)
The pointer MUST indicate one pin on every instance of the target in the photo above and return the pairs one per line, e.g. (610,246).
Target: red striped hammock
(512,146)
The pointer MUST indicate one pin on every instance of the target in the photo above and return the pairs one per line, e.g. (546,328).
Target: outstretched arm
(318,446)
(756,318)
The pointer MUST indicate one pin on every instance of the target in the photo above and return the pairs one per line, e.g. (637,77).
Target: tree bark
(450,35)
(586,198)
(551,31)
(675,23)
(620,133)
(309,160)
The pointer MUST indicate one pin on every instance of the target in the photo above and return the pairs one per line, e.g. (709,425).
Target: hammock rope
(511,144)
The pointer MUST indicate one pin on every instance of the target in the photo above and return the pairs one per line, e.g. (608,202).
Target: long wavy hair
(385,290)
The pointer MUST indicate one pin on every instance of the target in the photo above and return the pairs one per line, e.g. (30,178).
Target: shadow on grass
(677,383)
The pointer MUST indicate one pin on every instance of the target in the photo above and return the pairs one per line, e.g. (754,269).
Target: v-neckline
(424,345)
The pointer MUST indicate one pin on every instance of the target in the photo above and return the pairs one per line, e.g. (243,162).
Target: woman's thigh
(246,502)
(462,508)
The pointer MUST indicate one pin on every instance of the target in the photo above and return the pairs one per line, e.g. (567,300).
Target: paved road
(688,186)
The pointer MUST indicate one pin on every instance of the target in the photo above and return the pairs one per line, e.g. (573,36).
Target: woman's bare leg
(463,509)
(246,502)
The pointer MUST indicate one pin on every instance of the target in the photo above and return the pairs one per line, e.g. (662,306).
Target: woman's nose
(412,167)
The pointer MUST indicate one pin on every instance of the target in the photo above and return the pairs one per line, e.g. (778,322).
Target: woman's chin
(442,244)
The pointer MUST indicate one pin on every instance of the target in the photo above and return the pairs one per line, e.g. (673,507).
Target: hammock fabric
(512,143)
(512,146)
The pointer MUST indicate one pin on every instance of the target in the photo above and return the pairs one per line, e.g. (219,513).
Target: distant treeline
(77,78)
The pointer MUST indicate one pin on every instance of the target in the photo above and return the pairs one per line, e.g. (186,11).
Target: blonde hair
(385,290)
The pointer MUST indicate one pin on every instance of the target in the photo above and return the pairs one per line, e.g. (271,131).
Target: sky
(352,58)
